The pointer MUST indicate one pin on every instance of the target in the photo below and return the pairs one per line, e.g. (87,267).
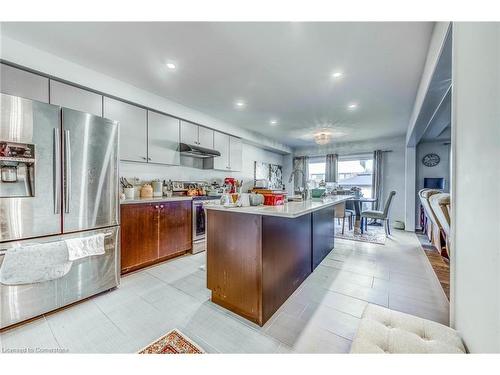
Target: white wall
(410,187)
(440,170)
(475,294)
(181,173)
(394,164)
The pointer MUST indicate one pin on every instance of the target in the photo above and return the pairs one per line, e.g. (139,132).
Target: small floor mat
(173,342)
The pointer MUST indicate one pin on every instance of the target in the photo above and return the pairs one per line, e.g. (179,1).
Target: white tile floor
(321,316)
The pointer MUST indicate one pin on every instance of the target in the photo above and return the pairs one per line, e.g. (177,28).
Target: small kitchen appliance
(231,183)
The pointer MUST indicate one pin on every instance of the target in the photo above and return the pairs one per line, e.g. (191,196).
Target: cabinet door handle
(144,158)
(149,158)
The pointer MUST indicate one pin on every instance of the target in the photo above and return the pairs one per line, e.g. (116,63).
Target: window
(317,168)
(352,171)
(356,172)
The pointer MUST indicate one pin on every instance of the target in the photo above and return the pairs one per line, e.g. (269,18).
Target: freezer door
(38,212)
(84,278)
(90,171)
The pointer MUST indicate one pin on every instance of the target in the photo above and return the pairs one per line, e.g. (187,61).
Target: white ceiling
(281,70)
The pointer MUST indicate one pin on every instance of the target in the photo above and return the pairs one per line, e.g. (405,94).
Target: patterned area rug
(375,234)
(173,342)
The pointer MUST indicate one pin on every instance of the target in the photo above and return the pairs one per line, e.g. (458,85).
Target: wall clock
(431,160)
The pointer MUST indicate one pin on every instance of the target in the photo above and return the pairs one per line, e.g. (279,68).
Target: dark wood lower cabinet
(323,234)
(175,229)
(254,263)
(286,259)
(139,235)
(152,232)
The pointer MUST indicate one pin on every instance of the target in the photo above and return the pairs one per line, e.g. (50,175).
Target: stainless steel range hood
(197,151)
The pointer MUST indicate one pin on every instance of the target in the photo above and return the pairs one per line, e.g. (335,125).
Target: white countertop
(288,210)
(153,200)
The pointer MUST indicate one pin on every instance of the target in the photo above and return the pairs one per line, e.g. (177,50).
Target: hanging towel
(82,247)
(35,263)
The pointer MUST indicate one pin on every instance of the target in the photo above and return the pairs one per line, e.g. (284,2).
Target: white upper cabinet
(205,137)
(75,98)
(163,139)
(196,135)
(231,150)
(235,154)
(189,133)
(221,144)
(21,83)
(133,128)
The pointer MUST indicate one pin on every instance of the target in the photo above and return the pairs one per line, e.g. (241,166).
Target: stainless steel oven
(199,221)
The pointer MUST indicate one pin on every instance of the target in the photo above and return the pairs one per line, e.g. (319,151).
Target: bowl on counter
(317,193)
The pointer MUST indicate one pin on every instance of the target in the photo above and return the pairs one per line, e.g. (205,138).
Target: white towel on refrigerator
(82,247)
(35,263)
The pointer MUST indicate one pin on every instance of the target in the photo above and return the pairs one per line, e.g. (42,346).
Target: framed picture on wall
(270,172)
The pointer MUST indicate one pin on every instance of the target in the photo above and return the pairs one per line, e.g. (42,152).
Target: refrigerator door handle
(67,171)
(57,172)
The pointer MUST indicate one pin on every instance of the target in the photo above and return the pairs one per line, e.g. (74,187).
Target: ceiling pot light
(171,66)
(352,106)
(337,74)
(273,122)
(322,138)
(239,104)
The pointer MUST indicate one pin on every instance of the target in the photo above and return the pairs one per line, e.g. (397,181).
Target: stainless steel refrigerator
(59,180)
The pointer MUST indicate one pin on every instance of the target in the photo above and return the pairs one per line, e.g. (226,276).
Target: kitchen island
(258,256)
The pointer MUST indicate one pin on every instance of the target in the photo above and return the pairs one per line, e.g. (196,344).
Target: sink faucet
(303,193)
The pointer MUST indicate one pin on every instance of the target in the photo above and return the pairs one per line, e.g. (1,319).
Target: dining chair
(341,213)
(380,215)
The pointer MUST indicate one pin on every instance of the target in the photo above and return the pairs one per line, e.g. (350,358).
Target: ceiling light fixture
(171,66)
(273,122)
(337,74)
(352,106)
(322,138)
(239,104)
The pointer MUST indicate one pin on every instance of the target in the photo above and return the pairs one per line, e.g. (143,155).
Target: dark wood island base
(255,262)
